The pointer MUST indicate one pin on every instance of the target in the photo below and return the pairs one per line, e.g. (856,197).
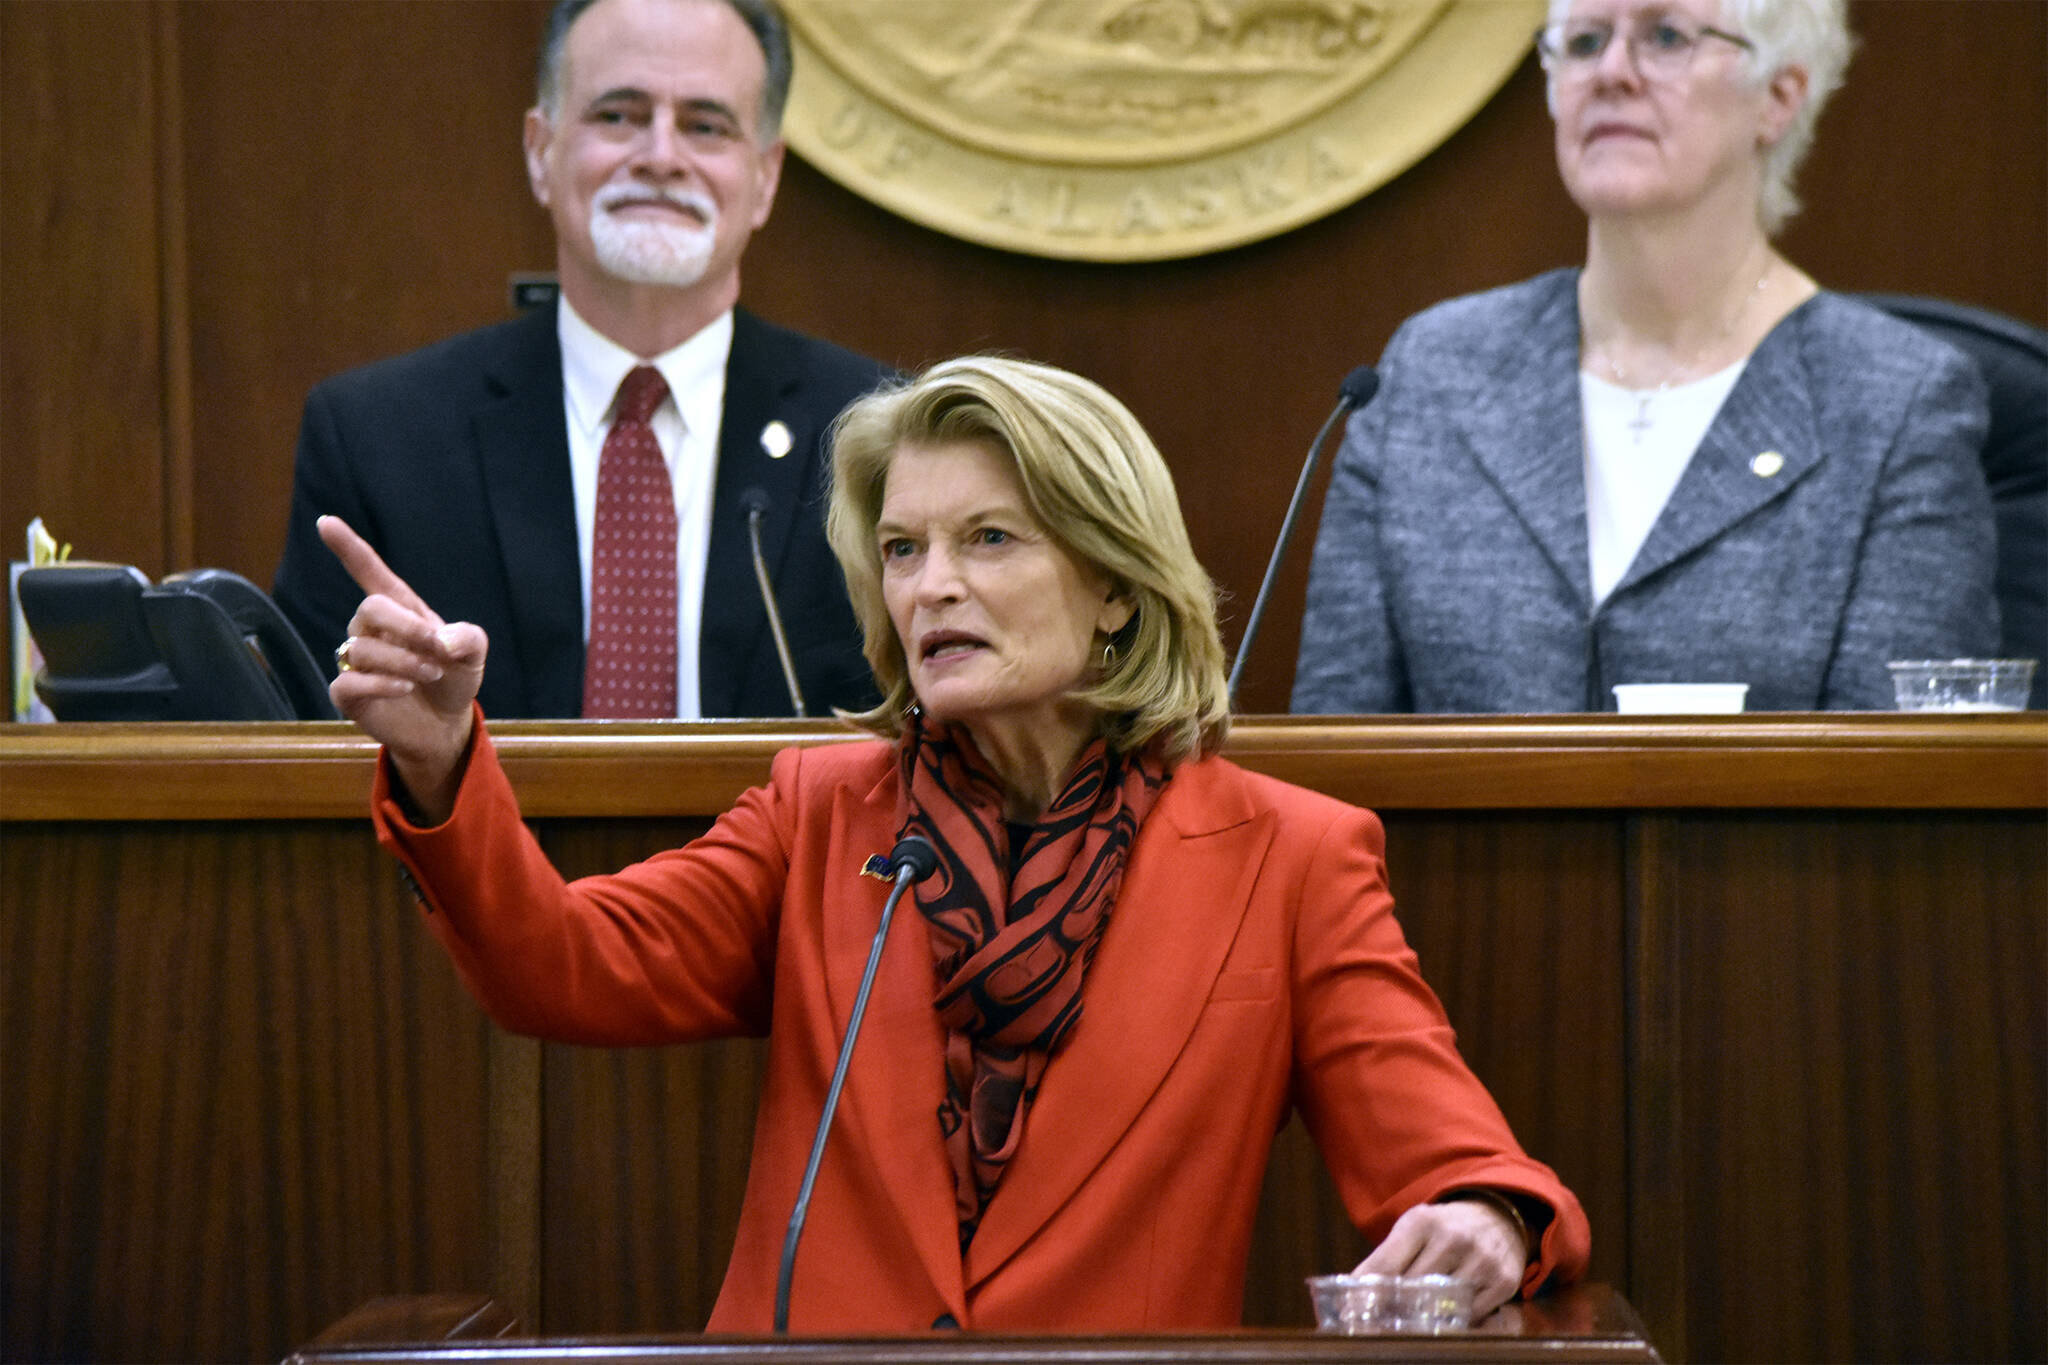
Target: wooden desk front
(1768,992)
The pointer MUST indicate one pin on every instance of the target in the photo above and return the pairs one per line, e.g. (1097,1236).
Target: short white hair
(1810,34)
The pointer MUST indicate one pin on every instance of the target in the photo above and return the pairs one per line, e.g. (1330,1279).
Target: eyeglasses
(1661,48)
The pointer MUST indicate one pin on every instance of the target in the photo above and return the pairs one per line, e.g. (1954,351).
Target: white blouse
(1638,443)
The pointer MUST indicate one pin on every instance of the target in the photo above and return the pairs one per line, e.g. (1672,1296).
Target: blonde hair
(1098,485)
(1810,34)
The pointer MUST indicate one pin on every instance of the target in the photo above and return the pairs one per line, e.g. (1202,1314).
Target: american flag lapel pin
(877,866)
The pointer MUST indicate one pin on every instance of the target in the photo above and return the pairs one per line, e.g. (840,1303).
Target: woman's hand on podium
(1465,1238)
(408,678)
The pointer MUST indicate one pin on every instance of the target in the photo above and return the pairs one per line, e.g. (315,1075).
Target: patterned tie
(629,669)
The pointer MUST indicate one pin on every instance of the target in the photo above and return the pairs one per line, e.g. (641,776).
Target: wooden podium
(1766,990)
(1586,1323)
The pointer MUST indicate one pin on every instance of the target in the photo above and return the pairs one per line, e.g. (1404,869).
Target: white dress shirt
(685,426)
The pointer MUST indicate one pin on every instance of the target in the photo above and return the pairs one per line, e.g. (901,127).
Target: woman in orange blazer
(1135,958)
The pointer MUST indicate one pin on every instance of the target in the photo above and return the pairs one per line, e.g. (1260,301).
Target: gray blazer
(1451,570)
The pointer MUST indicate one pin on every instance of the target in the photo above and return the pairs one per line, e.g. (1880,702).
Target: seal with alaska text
(1136,130)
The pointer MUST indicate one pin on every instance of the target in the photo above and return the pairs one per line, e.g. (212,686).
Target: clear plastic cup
(1366,1305)
(1375,1303)
(1331,1295)
(1433,1304)
(1961,684)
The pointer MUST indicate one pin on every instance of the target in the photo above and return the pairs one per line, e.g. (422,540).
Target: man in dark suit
(472,465)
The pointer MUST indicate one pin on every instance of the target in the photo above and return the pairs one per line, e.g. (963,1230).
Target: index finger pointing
(368,568)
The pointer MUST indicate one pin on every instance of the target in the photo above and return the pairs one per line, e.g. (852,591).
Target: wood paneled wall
(208,206)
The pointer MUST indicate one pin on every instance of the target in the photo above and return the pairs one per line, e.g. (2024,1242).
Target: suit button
(945,1322)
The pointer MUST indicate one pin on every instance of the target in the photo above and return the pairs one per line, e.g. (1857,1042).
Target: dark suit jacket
(1252,965)
(1451,571)
(453,462)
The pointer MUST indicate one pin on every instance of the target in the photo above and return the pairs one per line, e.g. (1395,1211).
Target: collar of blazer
(1526,432)
(1201,847)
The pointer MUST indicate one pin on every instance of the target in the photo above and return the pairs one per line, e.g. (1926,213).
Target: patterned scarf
(1011,949)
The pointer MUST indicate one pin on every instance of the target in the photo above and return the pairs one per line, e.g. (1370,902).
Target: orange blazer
(1252,963)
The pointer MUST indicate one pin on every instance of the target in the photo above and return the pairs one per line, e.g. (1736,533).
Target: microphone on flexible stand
(1355,392)
(756,501)
(912,860)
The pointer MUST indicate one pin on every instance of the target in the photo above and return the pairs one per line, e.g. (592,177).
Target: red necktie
(629,668)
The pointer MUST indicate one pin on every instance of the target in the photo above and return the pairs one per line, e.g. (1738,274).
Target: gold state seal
(1130,130)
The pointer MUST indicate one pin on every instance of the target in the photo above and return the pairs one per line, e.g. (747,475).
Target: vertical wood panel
(647,1153)
(515,1181)
(81,362)
(1518,925)
(1929,172)
(646,1150)
(1863,1060)
(356,189)
(243,1092)
(1657,1114)
(180,477)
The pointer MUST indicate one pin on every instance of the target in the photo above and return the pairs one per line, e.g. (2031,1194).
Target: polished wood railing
(635,769)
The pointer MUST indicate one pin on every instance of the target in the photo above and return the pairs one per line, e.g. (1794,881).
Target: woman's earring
(1108,655)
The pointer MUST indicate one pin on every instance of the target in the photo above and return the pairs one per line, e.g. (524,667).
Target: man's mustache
(690,201)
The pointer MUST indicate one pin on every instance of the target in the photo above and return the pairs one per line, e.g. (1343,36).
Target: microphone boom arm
(912,860)
(1356,391)
(796,693)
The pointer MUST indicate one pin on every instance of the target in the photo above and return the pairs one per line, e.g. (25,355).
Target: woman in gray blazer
(1681,463)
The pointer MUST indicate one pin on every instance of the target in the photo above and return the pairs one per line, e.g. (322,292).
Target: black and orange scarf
(1012,948)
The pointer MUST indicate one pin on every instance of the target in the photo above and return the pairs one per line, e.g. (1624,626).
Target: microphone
(1355,392)
(912,860)
(756,501)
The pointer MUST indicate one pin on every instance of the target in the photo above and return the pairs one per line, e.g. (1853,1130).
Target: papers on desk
(23,656)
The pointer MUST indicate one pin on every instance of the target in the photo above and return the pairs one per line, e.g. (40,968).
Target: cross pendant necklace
(1639,425)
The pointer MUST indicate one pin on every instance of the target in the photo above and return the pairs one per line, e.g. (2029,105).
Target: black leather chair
(2014,358)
